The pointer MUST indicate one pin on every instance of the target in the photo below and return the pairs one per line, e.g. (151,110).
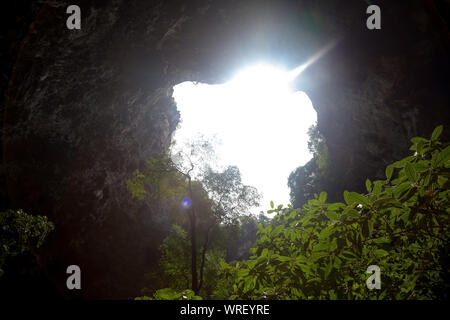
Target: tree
(21,232)
(309,179)
(174,265)
(240,237)
(302,183)
(186,173)
(171,174)
(231,198)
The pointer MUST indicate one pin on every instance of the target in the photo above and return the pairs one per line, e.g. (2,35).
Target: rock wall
(85,108)
(380,88)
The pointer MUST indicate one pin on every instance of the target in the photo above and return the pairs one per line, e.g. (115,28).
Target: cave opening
(259,121)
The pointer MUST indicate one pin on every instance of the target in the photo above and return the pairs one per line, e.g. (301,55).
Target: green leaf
(379,253)
(242,272)
(323,197)
(301,259)
(251,263)
(165,294)
(337,262)
(443,183)
(328,269)
(444,156)
(401,189)
(358,198)
(336,206)
(284,259)
(305,268)
(264,252)
(348,254)
(437,132)
(248,284)
(434,159)
(353,197)
(296,292)
(271,204)
(347,197)
(317,255)
(332,215)
(322,246)
(370,226)
(277,230)
(325,233)
(410,172)
(377,187)
(420,147)
(352,213)
(401,163)
(416,140)
(410,193)
(382,241)
(427,179)
(368,185)
(389,171)
(333,295)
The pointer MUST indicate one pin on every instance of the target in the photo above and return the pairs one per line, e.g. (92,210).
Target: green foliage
(20,232)
(322,251)
(170,294)
(165,178)
(318,147)
(224,287)
(231,197)
(308,180)
(160,177)
(240,237)
(176,259)
(302,183)
(216,199)
(175,266)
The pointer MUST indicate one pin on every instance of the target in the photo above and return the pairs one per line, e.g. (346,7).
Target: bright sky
(261,123)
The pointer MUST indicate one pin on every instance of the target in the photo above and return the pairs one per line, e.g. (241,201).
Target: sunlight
(260,121)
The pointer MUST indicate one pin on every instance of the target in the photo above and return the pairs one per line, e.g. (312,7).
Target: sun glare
(260,121)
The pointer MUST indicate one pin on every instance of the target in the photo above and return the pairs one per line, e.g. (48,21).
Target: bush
(20,231)
(170,294)
(322,250)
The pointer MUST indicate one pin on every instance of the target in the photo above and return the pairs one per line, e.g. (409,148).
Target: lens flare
(294,73)
(186,203)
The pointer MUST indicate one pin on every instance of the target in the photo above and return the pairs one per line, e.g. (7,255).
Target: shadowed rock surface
(84,108)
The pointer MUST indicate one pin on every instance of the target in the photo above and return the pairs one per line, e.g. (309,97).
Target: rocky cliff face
(85,108)
(378,89)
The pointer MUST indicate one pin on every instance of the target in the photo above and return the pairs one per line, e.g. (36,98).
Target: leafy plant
(20,231)
(170,294)
(210,198)
(322,250)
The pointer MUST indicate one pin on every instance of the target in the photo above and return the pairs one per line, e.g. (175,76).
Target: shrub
(322,250)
